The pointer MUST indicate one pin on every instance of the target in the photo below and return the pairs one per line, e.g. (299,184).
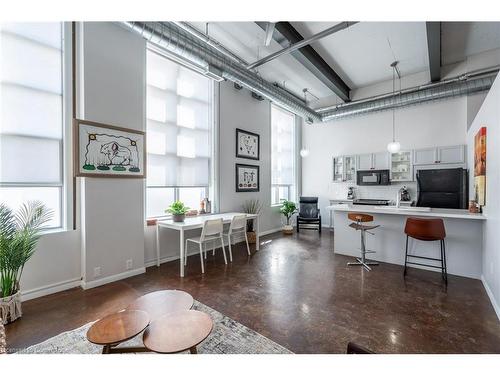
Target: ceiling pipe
(463,85)
(331,30)
(185,46)
(210,41)
(190,49)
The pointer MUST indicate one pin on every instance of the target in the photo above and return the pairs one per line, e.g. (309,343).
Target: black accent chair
(309,214)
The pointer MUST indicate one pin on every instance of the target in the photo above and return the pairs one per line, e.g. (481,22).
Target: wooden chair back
(425,229)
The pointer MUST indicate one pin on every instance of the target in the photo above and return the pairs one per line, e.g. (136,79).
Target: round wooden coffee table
(117,328)
(162,302)
(177,332)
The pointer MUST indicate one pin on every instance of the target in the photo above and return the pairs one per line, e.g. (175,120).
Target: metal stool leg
(363,261)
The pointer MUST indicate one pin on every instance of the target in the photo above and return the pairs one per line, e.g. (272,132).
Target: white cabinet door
(364,162)
(451,154)
(425,156)
(338,169)
(350,168)
(380,160)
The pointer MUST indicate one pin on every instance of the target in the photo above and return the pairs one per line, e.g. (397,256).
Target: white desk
(196,222)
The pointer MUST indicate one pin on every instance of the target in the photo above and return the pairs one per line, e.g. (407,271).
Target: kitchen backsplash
(338,190)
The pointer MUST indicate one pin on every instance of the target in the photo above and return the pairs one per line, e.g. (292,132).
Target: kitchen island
(464,236)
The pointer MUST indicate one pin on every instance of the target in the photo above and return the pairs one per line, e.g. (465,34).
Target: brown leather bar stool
(359,218)
(426,230)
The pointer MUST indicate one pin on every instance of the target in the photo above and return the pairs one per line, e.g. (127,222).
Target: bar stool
(359,218)
(426,230)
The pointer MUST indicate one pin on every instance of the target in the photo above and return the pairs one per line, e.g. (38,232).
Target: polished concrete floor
(298,293)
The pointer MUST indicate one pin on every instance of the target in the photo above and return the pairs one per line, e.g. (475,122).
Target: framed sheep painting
(102,150)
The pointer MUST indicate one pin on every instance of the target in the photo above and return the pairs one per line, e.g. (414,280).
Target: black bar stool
(427,230)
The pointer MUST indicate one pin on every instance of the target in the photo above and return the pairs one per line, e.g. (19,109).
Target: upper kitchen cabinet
(364,162)
(379,160)
(425,156)
(401,166)
(440,155)
(451,154)
(344,169)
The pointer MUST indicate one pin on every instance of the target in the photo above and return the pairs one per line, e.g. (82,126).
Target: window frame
(295,184)
(210,189)
(65,142)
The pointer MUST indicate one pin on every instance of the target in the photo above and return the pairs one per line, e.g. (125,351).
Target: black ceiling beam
(285,34)
(434,47)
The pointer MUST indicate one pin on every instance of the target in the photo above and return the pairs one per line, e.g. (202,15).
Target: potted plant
(251,206)
(19,234)
(288,208)
(178,211)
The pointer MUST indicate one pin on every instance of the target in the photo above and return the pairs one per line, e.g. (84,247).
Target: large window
(179,125)
(32,116)
(283,174)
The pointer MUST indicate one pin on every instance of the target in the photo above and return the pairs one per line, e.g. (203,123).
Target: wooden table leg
(193,350)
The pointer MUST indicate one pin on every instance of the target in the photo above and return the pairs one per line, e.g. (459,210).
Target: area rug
(227,337)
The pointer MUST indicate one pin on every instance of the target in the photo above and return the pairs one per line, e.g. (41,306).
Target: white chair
(238,226)
(212,230)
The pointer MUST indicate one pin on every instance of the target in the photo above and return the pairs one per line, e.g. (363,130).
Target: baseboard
(270,231)
(494,303)
(50,289)
(110,279)
(171,258)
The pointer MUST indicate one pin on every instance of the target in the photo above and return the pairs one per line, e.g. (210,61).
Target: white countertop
(434,212)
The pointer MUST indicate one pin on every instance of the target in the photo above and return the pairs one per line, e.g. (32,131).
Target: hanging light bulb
(394,146)
(304,153)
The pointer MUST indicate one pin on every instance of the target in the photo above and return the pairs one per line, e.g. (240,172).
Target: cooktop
(372,202)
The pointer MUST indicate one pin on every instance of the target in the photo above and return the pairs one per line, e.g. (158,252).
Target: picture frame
(103,150)
(247,145)
(247,178)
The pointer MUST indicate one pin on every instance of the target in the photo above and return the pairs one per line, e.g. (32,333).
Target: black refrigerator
(443,188)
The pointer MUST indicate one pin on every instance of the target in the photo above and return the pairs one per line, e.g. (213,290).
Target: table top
(407,211)
(191,222)
(116,328)
(177,332)
(162,302)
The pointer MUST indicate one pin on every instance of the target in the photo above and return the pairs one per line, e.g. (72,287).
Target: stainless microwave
(373,177)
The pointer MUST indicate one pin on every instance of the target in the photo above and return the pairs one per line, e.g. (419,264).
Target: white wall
(489,116)
(239,110)
(55,266)
(113,208)
(438,123)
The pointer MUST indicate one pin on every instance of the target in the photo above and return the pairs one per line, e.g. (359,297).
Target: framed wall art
(247,178)
(480,166)
(102,150)
(247,145)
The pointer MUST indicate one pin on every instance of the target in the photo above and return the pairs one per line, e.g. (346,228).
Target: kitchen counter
(464,237)
(410,211)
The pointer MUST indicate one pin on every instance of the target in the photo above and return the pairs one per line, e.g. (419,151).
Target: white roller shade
(283,146)
(178,131)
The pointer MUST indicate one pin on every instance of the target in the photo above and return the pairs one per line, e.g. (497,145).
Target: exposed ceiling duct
(464,85)
(186,46)
(208,56)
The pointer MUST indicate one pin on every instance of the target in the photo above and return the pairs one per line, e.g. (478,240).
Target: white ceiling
(360,54)
(462,39)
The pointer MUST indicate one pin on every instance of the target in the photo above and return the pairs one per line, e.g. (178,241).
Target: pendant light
(394,146)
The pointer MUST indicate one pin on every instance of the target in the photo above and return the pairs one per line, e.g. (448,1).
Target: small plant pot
(178,218)
(287,229)
(252,237)
(10,308)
